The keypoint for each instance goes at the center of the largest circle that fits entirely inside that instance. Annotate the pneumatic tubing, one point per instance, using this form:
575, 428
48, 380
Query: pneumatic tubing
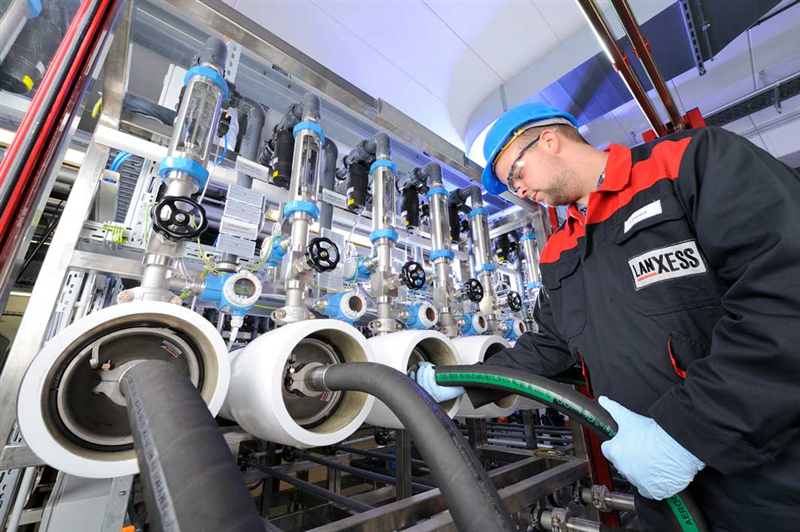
567, 401
466, 489
190, 479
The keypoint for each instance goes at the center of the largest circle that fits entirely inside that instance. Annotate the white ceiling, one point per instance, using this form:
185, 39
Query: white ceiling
443, 62
434, 60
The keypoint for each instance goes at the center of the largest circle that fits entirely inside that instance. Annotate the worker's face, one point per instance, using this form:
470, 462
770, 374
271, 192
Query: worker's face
540, 172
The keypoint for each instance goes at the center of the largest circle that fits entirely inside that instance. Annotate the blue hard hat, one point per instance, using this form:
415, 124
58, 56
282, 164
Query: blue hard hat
501, 133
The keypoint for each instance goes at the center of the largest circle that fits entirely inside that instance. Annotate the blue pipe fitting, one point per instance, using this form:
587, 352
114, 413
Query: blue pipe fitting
474, 324
527, 236
485, 268
421, 316
277, 252
311, 126
212, 291
307, 207
533, 286
34, 8
383, 162
434, 191
476, 212
437, 253
339, 307
181, 164
210, 73
377, 234
360, 272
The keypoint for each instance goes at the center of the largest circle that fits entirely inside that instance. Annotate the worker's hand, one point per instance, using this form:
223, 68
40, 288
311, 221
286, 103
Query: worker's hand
647, 456
426, 377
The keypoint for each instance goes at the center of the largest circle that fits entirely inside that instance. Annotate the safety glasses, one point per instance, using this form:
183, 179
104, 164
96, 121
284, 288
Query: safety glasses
512, 179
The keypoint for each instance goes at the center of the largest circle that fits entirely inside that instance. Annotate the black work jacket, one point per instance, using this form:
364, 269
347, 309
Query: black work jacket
680, 290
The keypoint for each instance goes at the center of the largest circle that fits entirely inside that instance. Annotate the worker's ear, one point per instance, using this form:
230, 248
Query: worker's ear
550, 141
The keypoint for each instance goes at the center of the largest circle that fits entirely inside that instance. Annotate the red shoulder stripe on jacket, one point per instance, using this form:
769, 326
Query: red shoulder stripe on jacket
561, 241
664, 163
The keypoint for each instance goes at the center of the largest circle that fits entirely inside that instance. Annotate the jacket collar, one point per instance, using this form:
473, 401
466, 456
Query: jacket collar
618, 169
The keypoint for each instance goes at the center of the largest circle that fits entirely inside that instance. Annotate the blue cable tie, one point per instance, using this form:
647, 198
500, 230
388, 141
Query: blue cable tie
383, 162
312, 126
211, 74
528, 236
531, 286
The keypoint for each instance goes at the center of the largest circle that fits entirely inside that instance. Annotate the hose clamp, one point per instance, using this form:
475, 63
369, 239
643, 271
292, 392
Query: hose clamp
383, 162
210, 74
189, 167
485, 268
307, 207
311, 126
476, 212
434, 191
438, 253
377, 234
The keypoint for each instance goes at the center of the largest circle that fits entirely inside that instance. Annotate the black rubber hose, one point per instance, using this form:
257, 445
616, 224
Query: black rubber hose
467, 491
684, 513
191, 481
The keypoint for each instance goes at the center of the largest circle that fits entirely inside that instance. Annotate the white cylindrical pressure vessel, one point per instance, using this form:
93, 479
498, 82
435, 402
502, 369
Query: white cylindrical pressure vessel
403, 351
474, 349
265, 404
70, 411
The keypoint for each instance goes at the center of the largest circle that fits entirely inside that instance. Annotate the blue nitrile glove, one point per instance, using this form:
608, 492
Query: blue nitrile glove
426, 377
647, 456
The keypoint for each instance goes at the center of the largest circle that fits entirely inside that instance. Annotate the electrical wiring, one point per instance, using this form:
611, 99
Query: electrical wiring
224, 151
345, 289
205, 259
266, 254
266, 307
97, 107
119, 159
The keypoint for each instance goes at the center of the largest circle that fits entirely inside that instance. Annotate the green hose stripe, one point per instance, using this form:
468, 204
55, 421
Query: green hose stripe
682, 514
529, 388
505, 382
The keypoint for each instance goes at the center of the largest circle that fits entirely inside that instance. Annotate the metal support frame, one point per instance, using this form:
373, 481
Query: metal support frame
621, 63
642, 49
33, 329
78, 503
403, 454
521, 484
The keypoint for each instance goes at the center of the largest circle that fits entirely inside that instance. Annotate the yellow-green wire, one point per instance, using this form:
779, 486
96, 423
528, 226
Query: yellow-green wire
96, 108
345, 289
205, 259
266, 307
266, 255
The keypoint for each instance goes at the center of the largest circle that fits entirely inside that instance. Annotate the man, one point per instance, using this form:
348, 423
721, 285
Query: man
675, 281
